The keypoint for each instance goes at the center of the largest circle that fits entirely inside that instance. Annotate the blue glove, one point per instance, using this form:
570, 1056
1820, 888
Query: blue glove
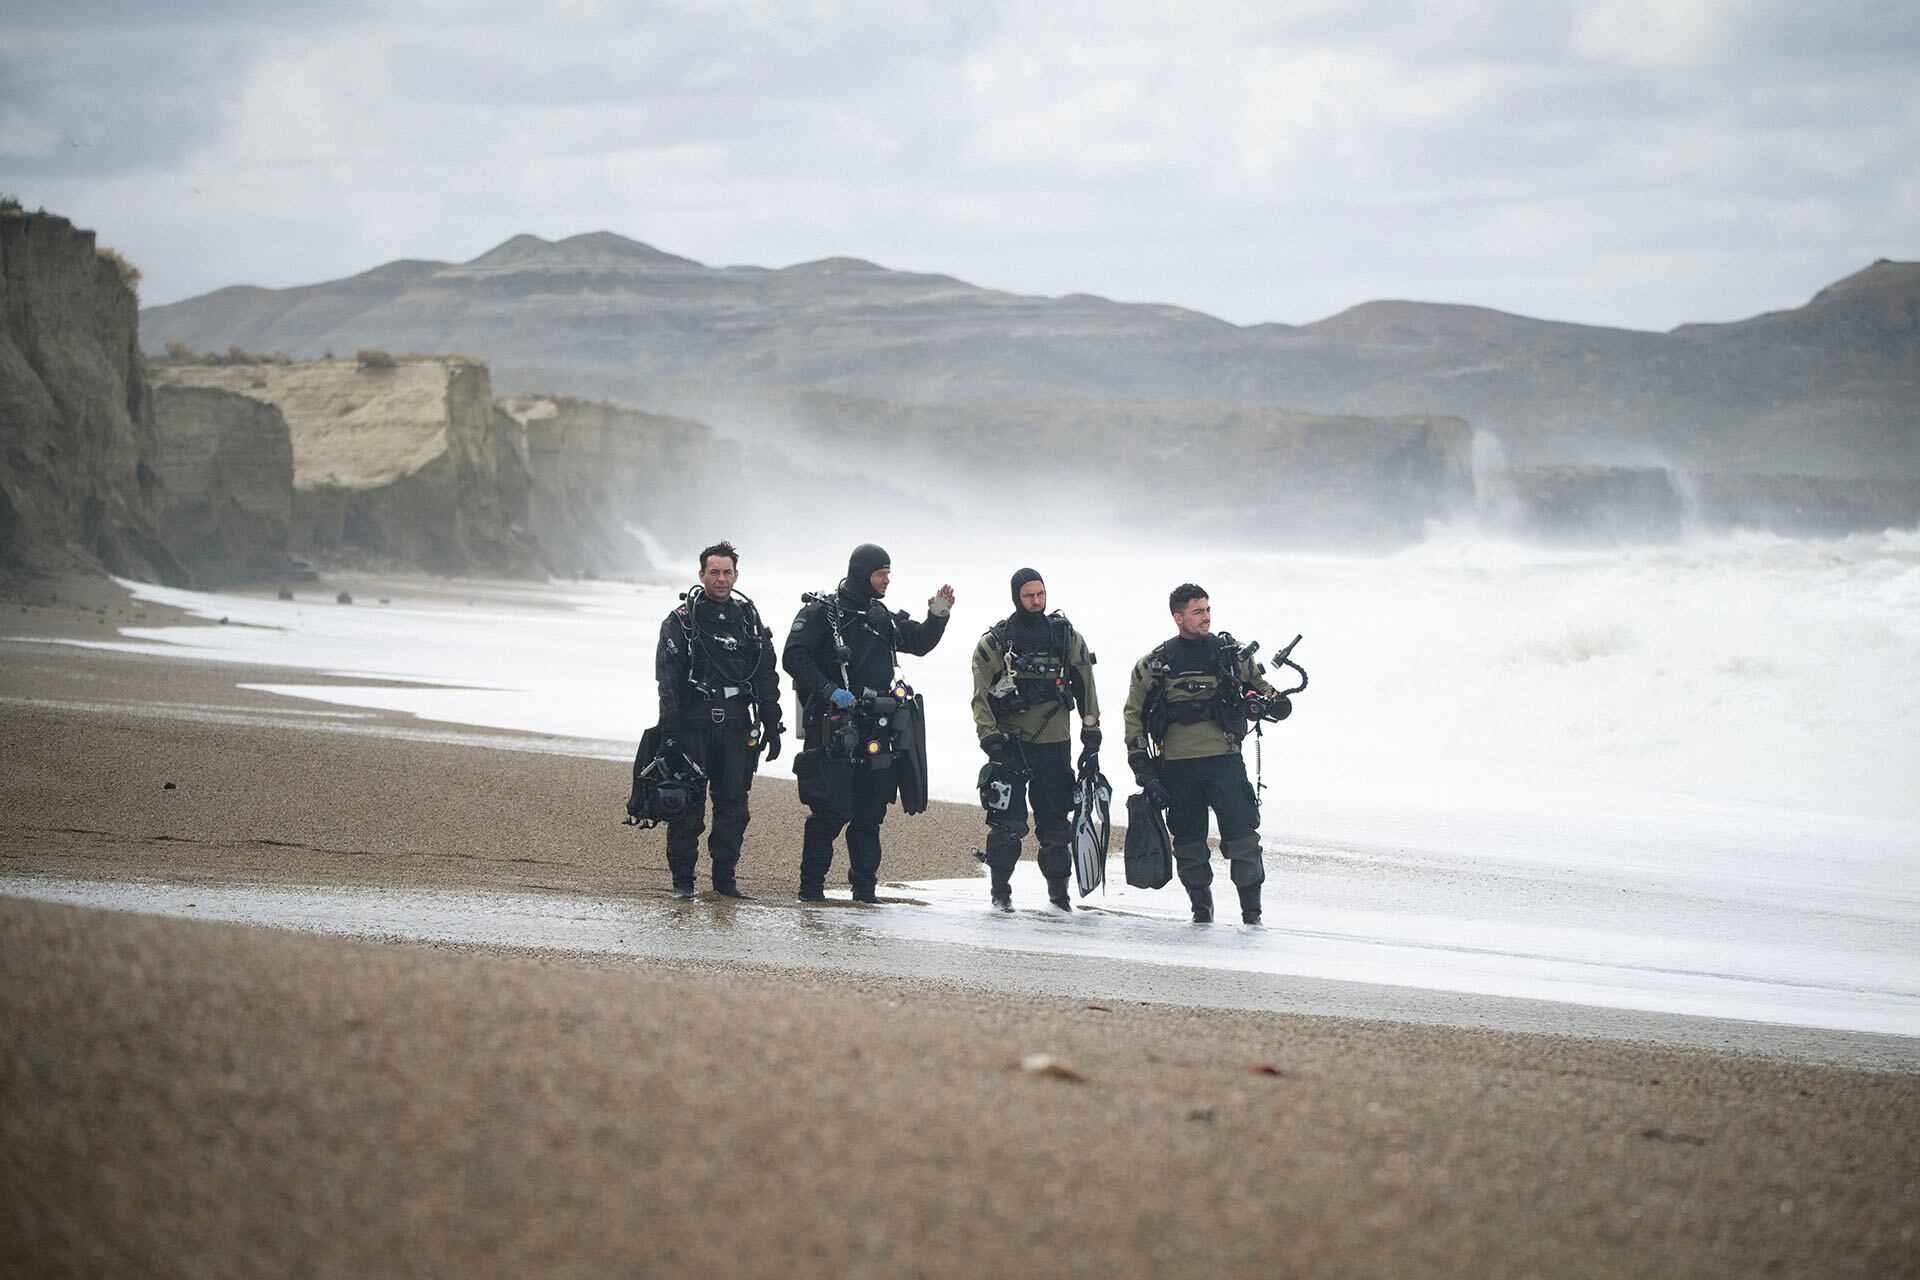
841, 699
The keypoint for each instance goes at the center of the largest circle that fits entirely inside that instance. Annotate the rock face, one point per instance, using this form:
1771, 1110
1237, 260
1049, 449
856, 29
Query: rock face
227, 463
1325, 479
1611, 505
1812, 506
1598, 505
602, 473
1322, 479
401, 461
79, 484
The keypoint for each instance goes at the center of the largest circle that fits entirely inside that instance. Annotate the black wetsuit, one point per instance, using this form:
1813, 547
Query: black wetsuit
843, 791
718, 684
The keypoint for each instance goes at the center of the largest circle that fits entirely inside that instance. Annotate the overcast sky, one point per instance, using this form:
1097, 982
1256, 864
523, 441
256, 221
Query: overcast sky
1629, 162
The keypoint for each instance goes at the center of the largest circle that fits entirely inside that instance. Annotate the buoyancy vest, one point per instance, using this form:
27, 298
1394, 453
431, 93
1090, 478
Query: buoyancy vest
1195, 683
1035, 676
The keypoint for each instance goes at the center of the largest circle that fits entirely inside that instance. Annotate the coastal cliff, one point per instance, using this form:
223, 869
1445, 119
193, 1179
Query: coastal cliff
602, 473
1322, 479
1601, 506
79, 481
394, 460
227, 463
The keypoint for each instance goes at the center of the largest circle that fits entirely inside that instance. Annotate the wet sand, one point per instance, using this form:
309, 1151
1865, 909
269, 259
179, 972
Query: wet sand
185, 1097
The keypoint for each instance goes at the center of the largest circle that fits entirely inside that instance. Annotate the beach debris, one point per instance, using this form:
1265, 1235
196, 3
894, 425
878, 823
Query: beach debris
386, 599
1099, 1008
168, 786
224, 620
1657, 1134
286, 593
1049, 1067
343, 598
1202, 1114
1262, 1069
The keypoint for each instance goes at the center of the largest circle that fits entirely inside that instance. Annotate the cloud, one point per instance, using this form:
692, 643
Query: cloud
1619, 161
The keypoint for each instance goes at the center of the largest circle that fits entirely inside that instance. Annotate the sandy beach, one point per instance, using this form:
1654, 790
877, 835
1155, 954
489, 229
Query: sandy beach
183, 1097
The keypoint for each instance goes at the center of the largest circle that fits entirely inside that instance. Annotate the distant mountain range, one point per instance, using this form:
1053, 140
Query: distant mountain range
1828, 388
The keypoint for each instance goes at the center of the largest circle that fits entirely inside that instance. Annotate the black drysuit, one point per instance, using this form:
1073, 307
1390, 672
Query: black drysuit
715, 667
845, 792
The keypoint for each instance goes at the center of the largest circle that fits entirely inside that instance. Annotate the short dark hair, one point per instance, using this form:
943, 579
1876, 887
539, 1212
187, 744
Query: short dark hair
1183, 595
726, 549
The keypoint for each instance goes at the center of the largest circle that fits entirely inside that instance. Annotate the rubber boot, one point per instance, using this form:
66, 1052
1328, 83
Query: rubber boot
811, 893
732, 889
1249, 904
683, 890
866, 893
1202, 896
1057, 895
1002, 893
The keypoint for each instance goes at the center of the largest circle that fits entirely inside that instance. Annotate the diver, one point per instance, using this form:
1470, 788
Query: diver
719, 709
1188, 709
855, 710
1031, 670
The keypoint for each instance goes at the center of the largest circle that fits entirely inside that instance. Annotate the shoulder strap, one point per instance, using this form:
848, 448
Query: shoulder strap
762, 635
688, 602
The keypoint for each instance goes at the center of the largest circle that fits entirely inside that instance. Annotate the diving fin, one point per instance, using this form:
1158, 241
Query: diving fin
1149, 847
910, 753
1092, 828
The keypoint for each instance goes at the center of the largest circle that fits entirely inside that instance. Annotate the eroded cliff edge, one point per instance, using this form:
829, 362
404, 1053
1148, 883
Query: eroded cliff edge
402, 461
411, 461
227, 464
605, 475
80, 486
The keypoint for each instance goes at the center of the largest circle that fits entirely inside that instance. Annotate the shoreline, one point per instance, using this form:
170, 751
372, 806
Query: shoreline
193, 1096
201, 699
657, 932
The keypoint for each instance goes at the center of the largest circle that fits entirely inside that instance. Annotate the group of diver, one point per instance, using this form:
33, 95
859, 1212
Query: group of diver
1190, 704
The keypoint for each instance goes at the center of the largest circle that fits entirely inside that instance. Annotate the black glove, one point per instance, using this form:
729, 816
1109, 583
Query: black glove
1006, 758
1089, 746
772, 740
1148, 779
1142, 765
